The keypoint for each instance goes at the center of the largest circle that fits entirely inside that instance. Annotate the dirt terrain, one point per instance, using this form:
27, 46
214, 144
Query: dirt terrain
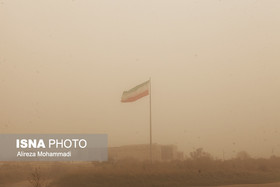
27, 184
253, 185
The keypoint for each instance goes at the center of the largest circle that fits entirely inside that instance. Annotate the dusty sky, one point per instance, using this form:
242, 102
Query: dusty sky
215, 69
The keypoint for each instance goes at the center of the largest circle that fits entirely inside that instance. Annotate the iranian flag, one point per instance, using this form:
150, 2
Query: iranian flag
136, 93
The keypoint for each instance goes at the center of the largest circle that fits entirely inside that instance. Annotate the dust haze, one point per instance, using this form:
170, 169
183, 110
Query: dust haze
214, 67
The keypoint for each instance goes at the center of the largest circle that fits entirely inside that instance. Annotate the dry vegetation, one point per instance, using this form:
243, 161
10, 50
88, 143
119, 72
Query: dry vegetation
199, 170
175, 173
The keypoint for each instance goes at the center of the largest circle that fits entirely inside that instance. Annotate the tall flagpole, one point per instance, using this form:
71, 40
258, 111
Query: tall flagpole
151, 158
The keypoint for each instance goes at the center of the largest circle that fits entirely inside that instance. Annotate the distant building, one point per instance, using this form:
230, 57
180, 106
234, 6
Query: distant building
141, 152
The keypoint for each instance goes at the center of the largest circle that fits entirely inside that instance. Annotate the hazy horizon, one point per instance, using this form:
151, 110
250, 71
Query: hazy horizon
214, 67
